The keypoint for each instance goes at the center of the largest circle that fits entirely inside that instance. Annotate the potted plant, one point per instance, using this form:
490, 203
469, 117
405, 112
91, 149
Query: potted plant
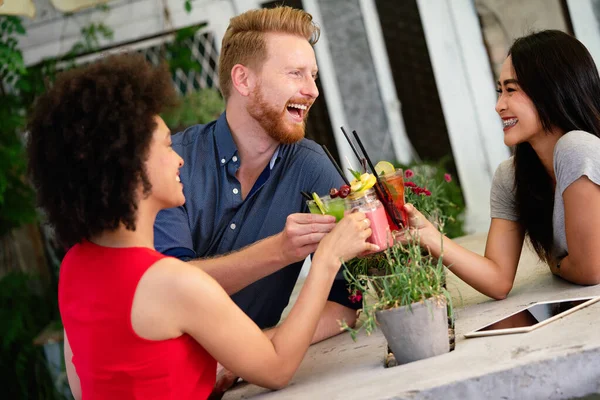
403, 290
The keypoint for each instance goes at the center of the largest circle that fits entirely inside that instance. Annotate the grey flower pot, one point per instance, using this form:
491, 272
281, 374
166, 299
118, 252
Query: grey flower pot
416, 333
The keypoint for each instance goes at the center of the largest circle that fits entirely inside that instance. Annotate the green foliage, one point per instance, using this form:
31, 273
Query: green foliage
16, 196
199, 107
11, 59
26, 307
19, 86
178, 53
441, 200
196, 107
403, 275
188, 6
91, 37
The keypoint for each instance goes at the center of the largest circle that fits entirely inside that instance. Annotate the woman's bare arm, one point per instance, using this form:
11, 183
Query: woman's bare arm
492, 274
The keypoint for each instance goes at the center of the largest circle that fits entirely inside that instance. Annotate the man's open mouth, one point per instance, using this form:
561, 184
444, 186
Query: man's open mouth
298, 111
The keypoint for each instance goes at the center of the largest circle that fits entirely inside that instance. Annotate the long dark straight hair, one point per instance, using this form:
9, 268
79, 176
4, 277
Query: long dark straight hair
558, 74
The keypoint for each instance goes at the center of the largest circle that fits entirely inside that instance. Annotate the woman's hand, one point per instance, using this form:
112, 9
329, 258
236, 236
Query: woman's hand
348, 239
418, 225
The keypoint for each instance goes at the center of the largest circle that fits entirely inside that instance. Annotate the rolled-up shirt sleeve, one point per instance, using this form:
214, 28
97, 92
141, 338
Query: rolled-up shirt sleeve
172, 234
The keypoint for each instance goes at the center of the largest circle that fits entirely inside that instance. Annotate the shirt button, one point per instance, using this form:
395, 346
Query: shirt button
232, 226
222, 161
235, 191
234, 158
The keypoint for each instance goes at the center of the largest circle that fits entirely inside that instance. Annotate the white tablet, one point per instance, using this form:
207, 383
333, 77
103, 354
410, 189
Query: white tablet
532, 317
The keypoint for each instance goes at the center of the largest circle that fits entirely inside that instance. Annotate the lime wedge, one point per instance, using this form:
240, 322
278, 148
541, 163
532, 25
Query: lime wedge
319, 203
384, 168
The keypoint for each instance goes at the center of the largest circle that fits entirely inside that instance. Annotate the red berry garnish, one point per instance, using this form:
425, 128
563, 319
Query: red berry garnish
333, 193
344, 191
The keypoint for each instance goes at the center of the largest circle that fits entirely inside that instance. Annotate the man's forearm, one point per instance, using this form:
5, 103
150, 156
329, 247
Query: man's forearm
328, 325
236, 270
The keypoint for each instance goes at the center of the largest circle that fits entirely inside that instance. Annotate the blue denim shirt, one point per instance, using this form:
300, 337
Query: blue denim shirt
215, 220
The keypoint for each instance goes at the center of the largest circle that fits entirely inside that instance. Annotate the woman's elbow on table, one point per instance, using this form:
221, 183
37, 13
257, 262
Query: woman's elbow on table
588, 268
593, 278
501, 290
277, 380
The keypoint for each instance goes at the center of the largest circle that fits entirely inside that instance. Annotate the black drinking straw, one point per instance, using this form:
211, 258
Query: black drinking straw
362, 148
350, 143
383, 193
305, 195
335, 164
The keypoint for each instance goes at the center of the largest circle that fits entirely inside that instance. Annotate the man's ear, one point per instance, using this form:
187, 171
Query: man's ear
242, 79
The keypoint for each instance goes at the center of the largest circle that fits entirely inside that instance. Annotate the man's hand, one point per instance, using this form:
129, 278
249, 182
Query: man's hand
302, 234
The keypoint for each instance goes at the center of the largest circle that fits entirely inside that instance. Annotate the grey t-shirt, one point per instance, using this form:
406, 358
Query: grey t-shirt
576, 154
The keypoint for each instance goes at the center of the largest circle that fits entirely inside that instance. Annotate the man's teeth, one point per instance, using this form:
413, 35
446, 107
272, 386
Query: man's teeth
178, 178
298, 106
509, 122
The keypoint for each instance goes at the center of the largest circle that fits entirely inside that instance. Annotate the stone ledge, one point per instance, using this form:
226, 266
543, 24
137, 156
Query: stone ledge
558, 361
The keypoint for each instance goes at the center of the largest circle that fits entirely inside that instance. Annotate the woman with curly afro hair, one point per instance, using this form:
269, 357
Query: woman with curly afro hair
140, 325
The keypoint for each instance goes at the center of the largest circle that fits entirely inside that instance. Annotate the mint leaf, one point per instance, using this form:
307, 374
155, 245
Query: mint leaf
355, 174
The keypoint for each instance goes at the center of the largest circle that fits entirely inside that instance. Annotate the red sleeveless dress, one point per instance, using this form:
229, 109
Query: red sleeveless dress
95, 293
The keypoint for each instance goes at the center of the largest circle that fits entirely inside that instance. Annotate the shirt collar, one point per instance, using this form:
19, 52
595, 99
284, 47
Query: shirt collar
226, 147
274, 158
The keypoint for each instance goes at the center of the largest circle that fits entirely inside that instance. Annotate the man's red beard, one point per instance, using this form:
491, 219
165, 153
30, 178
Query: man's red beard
274, 121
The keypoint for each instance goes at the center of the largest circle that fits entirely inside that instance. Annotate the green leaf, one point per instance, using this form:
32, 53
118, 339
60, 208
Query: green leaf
354, 173
188, 6
20, 29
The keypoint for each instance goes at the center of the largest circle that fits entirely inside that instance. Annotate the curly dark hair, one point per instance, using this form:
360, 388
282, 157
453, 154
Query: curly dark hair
89, 137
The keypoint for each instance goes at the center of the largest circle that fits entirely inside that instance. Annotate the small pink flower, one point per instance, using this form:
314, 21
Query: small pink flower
448, 178
410, 184
355, 298
408, 173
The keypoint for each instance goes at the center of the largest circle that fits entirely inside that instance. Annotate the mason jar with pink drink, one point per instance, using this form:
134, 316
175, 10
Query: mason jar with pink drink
366, 202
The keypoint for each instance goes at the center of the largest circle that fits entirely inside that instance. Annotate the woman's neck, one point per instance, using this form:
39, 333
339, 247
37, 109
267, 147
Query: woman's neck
142, 236
543, 145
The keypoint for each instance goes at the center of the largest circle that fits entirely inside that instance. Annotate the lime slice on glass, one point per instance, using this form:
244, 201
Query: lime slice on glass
319, 203
384, 168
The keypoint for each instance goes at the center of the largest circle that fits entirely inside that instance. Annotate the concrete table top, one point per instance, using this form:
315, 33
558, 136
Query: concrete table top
558, 361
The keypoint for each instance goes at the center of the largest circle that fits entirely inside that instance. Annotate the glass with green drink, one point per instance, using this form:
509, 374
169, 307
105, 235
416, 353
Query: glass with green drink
327, 205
